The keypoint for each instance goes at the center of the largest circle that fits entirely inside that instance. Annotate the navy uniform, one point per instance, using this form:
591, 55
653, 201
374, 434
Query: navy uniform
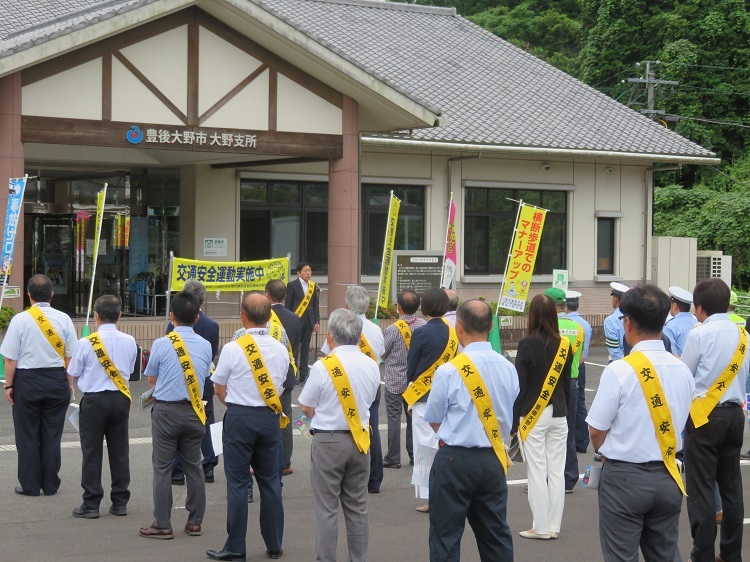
467, 479
104, 414
614, 333
41, 395
572, 299
679, 325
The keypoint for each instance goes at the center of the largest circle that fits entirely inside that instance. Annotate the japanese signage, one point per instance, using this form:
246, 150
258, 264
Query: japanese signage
390, 241
560, 279
450, 259
101, 197
522, 256
228, 276
215, 247
418, 270
16, 187
198, 137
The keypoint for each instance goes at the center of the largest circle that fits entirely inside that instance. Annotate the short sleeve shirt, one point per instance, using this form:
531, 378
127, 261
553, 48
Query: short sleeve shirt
86, 367
25, 343
165, 365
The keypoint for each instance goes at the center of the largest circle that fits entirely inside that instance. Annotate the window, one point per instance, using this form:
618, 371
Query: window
410, 228
489, 218
281, 217
605, 245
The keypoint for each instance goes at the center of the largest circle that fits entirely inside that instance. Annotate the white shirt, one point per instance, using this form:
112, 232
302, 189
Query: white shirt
450, 316
25, 343
304, 285
373, 335
707, 352
86, 367
319, 392
620, 405
234, 371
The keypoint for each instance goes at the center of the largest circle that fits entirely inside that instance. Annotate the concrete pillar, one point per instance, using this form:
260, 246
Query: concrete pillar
11, 166
343, 211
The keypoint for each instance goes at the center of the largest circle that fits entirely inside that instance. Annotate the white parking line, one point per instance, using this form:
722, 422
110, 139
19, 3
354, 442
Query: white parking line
594, 364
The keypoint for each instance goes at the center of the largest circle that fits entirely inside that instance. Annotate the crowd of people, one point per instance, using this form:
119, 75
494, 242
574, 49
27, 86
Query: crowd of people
658, 411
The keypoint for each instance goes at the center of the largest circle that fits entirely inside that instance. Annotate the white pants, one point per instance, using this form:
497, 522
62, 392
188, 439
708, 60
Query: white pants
544, 451
422, 434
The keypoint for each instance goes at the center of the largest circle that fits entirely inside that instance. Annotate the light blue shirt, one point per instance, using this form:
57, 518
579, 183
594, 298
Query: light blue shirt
165, 365
586, 331
709, 349
677, 330
614, 331
450, 405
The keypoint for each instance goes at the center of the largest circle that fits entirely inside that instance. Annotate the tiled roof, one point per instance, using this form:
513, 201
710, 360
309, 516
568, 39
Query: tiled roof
489, 91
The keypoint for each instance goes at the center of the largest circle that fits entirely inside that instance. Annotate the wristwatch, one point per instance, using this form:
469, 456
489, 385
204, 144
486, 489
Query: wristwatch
8, 386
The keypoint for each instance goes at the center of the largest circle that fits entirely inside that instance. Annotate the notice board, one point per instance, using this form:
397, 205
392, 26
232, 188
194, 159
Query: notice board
418, 270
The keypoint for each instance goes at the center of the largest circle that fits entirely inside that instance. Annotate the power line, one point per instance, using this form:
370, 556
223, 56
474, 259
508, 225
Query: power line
712, 121
705, 66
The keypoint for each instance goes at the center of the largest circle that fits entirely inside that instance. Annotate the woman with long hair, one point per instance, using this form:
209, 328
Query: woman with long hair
543, 364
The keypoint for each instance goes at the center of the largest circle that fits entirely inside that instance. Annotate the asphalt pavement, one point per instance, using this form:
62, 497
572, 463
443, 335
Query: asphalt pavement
43, 528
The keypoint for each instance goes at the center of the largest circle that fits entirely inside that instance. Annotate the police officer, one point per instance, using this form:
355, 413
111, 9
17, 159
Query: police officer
102, 364
681, 321
613, 330
733, 316
37, 348
468, 476
636, 421
572, 302
248, 379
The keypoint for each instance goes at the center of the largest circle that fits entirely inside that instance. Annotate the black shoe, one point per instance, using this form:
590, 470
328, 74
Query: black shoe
373, 491
745, 455
209, 476
391, 465
82, 513
224, 555
275, 555
249, 496
119, 510
178, 481
581, 450
411, 462
21, 491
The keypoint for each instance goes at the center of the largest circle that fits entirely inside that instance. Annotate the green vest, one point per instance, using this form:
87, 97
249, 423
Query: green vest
571, 329
737, 319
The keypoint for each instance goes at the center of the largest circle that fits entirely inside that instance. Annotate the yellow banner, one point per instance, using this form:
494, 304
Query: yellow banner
390, 242
522, 256
100, 197
229, 276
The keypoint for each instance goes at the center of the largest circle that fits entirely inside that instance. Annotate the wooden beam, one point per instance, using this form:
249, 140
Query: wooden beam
274, 162
192, 73
107, 87
273, 99
232, 93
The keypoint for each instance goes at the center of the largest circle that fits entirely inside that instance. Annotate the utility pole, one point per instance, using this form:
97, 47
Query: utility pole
651, 82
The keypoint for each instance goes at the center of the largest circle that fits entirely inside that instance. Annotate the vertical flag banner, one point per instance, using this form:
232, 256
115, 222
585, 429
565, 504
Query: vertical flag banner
390, 241
100, 198
521, 258
16, 187
450, 258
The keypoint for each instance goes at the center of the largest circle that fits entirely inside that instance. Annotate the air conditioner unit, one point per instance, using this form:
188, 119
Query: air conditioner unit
713, 264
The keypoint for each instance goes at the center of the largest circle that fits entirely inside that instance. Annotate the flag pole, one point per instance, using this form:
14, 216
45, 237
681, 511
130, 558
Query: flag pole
445, 249
385, 249
169, 288
97, 238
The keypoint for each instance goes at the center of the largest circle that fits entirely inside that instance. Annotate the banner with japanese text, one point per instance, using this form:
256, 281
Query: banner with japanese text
522, 256
229, 276
16, 187
450, 258
101, 197
386, 267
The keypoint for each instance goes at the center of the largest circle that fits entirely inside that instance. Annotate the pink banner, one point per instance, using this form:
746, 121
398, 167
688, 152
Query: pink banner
450, 258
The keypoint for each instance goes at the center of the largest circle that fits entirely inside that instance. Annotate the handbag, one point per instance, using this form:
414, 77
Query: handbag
515, 451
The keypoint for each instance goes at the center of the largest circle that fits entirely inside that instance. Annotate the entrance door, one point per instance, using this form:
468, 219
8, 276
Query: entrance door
53, 256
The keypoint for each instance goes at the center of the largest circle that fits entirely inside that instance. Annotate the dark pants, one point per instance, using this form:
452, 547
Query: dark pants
251, 438
287, 433
582, 428
376, 448
41, 398
468, 483
571, 456
394, 403
281, 462
712, 454
210, 460
639, 506
104, 415
305, 335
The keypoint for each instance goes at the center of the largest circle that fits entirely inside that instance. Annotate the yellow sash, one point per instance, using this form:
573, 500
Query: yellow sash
365, 347
483, 403
109, 366
423, 382
405, 330
48, 330
276, 327
302, 308
262, 378
701, 408
554, 375
360, 433
191, 379
661, 416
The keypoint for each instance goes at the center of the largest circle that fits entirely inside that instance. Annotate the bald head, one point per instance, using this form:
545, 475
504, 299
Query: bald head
452, 300
256, 310
475, 318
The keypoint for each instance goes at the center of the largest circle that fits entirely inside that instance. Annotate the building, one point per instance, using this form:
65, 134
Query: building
282, 126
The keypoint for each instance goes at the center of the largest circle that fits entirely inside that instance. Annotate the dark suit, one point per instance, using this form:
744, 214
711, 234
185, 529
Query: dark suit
294, 296
291, 323
209, 331
427, 345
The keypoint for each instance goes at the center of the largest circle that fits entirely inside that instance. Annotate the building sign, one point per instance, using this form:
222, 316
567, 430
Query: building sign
560, 279
418, 270
192, 136
214, 247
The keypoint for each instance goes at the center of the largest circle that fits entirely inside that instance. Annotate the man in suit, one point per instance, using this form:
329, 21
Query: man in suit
209, 331
303, 298
276, 293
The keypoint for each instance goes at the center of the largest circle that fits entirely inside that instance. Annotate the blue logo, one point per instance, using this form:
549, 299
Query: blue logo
134, 135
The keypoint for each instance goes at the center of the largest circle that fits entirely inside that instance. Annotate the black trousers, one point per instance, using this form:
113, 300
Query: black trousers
582, 428
287, 433
468, 483
571, 455
376, 447
712, 455
104, 415
210, 460
41, 398
305, 335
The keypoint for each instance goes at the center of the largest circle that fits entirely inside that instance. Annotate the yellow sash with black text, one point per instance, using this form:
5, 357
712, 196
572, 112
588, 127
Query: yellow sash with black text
276, 328
483, 403
661, 416
48, 330
550, 382
423, 382
360, 433
262, 377
365, 347
405, 330
108, 365
195, 393
302, 307
701, 408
